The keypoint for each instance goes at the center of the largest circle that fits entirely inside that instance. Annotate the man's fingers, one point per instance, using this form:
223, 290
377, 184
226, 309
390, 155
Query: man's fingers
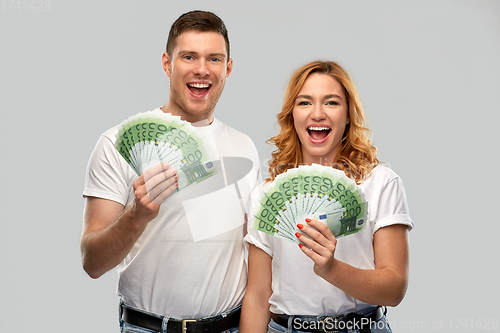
162, 196
167, 175
161, 186
152, 172
157, 175
156, 184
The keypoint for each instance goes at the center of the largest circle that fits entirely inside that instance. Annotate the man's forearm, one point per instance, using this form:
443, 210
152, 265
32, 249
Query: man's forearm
103, 249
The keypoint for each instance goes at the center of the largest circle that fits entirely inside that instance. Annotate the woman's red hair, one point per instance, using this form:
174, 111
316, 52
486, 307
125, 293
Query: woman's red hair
357, 157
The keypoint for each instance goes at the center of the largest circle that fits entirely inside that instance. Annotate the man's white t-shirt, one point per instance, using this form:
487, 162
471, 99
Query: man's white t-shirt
296, 289
189, 261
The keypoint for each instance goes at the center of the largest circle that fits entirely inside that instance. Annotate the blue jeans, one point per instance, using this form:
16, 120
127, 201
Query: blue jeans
381, 326
129, 328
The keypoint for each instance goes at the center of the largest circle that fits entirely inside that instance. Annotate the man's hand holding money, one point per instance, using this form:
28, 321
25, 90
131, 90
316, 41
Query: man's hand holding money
152, 188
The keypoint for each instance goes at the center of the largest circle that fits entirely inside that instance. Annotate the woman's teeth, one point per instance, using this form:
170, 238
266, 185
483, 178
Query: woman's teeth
318, 132
318, 128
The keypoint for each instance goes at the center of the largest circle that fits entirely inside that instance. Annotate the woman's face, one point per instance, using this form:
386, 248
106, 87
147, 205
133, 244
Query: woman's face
320, 117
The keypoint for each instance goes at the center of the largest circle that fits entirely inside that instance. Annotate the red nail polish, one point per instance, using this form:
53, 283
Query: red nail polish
298, 234
308, 220
300, 245
300, 226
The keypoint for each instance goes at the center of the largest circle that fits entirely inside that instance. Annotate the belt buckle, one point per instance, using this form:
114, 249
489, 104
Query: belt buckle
184, 322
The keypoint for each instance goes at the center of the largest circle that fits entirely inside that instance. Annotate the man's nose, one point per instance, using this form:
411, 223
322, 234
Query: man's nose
201, 68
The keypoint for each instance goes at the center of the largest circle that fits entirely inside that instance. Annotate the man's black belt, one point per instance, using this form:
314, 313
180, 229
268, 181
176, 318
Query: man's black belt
210, 325
331, 324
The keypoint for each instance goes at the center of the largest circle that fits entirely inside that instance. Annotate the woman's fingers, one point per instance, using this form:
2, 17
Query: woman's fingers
321, 227
320, 240
320, 247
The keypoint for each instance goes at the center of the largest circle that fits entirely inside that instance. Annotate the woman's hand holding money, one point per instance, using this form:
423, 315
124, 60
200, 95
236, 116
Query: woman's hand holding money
384, 285
320, 247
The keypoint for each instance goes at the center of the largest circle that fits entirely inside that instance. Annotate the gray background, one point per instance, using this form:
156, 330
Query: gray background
427, 73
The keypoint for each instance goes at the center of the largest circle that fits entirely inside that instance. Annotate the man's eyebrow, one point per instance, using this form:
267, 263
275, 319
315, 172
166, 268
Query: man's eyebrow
187, 52
220, 55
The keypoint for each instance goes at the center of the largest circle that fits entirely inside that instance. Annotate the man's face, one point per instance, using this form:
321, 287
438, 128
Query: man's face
197, 70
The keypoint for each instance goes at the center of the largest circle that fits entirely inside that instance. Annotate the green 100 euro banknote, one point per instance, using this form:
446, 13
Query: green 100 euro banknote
316, 191
149, 138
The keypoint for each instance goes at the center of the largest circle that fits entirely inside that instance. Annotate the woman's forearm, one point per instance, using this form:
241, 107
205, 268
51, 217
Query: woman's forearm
255, 313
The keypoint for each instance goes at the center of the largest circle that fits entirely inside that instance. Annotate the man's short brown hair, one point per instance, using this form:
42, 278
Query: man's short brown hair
196, 20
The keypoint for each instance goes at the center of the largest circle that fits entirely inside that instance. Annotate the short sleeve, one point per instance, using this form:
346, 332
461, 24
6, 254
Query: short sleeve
255, 237
392, 206
108, 175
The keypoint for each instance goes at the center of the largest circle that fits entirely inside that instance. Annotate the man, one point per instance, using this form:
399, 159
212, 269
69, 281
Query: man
181, 260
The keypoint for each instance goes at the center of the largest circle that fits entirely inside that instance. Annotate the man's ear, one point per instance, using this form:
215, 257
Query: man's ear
166, 64
229, 68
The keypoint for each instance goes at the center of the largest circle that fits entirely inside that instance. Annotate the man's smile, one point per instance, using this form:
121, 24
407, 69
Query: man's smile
199, 90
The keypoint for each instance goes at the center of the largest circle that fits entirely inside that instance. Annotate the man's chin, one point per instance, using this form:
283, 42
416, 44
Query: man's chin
198, 114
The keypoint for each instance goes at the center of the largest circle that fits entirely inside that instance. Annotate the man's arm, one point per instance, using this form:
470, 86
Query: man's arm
110, 231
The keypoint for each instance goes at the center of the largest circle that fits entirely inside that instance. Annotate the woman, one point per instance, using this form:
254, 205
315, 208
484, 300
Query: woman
306, 287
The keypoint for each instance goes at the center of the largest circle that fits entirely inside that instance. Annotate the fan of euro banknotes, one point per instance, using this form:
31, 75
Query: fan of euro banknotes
152, 137
320, 192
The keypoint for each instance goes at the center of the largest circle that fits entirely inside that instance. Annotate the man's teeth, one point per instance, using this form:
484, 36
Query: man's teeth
199, 85
318, 128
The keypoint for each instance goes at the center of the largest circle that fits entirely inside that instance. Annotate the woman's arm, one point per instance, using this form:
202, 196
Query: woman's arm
384, 285
255, 313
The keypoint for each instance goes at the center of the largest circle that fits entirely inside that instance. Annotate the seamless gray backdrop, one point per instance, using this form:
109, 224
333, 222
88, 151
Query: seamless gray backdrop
427, 73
